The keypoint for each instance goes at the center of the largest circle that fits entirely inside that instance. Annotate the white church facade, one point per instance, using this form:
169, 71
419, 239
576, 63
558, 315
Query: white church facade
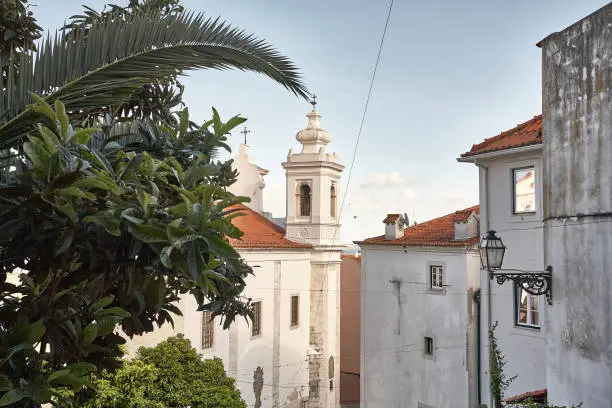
289, 355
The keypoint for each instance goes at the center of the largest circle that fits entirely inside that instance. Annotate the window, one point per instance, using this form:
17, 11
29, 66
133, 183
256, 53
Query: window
524, 190
295, 310
429, 346
527, 312
256, 328
436, 275
330, 367
332, 201
304, 200
208, 330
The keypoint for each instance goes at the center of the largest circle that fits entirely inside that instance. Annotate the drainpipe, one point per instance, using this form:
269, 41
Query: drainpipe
476, 298
484, 225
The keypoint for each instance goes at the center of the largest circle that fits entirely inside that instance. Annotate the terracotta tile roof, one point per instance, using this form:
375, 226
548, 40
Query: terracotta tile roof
539, 395
259, 232
391, 218
525, 134
437, 232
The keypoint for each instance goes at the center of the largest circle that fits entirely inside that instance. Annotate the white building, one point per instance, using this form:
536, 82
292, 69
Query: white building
287, 356
510, 166
417, 287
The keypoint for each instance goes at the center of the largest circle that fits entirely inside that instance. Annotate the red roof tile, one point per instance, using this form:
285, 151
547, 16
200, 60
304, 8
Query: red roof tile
525, 134
437, 232
260, 232
391, 218
536, 395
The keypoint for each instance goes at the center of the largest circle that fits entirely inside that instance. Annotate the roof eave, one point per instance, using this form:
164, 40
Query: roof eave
498, 153
450, 244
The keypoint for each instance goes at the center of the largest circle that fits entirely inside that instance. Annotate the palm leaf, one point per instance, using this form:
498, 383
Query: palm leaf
103, 67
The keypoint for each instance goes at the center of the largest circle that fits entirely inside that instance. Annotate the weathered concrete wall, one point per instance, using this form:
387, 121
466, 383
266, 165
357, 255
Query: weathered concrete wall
577, 134
397, 311
350, 281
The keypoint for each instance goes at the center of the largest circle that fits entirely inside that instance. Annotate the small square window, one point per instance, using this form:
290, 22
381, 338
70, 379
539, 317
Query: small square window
429, 346
523, 190
295, 311
527, 311
436, 277
256, 327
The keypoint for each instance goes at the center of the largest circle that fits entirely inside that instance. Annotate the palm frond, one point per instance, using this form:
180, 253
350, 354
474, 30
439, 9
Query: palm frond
104, 66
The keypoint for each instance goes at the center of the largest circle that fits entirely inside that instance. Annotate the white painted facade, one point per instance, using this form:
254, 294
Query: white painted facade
250, 182
399, 309
523, 346
294, 358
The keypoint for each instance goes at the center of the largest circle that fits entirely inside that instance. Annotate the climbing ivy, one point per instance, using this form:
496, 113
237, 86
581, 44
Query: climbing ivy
500, 382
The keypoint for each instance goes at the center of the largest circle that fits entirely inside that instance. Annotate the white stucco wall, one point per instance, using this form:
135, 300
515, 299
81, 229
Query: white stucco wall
292, 383
524, 348
250, 182
394, 320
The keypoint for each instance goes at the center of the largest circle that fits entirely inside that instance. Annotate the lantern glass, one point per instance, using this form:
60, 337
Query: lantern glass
492, 251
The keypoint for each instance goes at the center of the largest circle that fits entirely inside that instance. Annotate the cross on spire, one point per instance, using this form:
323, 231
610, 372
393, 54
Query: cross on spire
313, 101
245, 132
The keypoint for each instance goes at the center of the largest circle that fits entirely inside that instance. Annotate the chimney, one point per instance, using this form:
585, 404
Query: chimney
466, 225
394, 229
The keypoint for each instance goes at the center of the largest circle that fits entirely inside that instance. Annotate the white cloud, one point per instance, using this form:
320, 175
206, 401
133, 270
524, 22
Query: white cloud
386, 180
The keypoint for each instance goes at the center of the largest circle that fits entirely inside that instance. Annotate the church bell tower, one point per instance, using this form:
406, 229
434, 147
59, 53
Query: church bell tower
313, 187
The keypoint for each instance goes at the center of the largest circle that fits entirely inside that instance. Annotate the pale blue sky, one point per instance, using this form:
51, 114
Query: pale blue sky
451, 74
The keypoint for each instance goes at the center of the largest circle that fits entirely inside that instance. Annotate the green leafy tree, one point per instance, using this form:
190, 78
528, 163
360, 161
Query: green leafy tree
18, 33
107, 237
111, 216
158, 99
131, 52
170, 374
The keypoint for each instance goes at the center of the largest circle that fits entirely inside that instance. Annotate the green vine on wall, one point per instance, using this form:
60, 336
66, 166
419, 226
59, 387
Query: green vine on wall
500, 382
497, 361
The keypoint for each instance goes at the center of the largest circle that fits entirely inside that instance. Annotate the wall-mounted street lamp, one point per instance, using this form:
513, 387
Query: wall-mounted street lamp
492, 251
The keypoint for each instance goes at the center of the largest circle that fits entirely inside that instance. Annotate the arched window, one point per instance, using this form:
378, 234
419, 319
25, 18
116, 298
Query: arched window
331, 367
332, 201
304, 196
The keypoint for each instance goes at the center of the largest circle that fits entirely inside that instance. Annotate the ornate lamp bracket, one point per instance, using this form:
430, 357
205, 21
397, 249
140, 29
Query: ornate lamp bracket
535, 283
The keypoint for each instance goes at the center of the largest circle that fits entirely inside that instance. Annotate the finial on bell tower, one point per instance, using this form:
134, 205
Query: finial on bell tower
313, 101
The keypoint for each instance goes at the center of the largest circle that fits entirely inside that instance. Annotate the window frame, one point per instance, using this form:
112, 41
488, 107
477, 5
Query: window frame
445, 284
429, 341
209, 326
440, 268
292, 324
513, 171
517, 308
300, 185
260, 320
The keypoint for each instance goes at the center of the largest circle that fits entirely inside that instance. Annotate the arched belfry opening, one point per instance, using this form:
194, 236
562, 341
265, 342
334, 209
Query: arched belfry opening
305, 200
332, 201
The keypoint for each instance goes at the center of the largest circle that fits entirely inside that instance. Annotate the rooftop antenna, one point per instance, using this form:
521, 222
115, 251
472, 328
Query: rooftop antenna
404, 221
